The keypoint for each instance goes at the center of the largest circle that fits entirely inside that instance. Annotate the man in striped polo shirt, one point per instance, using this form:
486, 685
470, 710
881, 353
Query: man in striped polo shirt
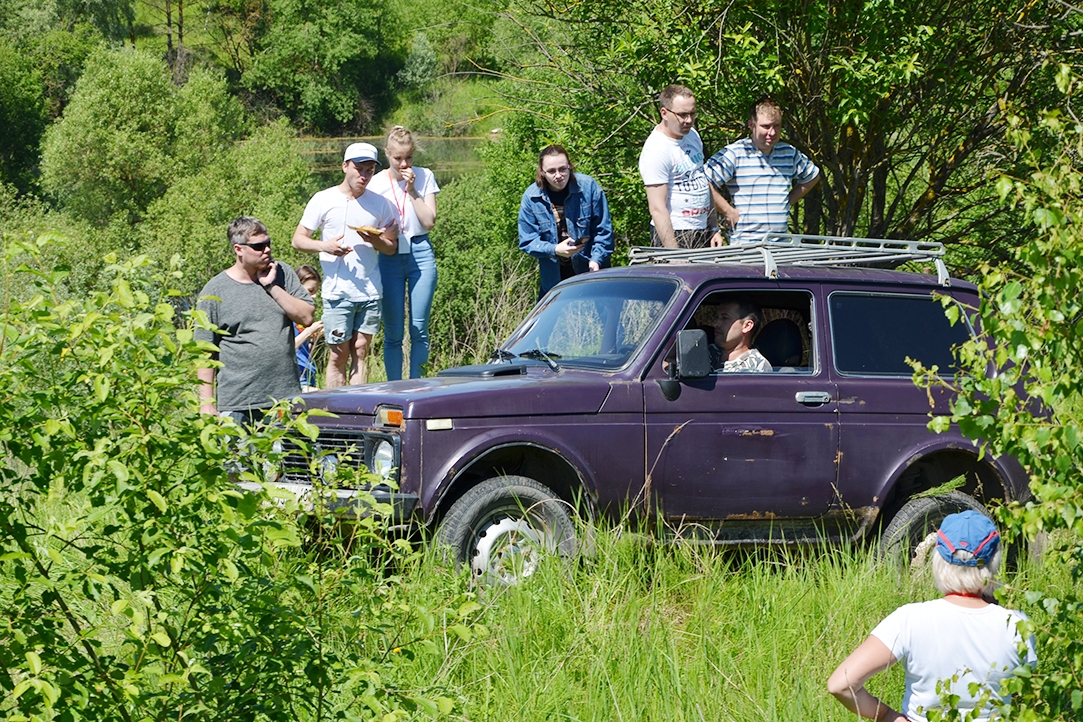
764, 176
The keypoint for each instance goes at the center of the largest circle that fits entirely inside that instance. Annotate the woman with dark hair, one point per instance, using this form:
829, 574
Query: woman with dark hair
564, 220
962, 640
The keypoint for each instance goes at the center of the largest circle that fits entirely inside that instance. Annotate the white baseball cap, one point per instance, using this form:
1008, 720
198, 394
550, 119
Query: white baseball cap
361, 152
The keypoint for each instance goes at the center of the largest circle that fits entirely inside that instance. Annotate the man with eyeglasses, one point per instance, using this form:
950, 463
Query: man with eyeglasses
671, 163
764, 176
251, 304
351, 287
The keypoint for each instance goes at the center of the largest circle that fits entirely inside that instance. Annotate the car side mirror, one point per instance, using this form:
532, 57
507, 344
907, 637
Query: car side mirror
693, 356
690, 359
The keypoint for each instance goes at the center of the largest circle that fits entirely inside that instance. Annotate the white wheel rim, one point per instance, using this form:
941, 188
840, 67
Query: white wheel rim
507, 552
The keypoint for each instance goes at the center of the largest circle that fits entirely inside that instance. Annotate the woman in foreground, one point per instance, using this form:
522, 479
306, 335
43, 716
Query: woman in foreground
960, 634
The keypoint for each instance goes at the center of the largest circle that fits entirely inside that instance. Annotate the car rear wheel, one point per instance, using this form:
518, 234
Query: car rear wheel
911, 535
505, 526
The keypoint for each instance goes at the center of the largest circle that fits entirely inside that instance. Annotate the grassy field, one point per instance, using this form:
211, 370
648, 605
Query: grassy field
652, 632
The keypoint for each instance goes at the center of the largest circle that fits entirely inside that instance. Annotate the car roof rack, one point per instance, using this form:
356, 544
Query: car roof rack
772, 250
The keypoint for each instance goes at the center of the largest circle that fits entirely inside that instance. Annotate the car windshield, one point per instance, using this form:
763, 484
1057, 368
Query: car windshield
600, 323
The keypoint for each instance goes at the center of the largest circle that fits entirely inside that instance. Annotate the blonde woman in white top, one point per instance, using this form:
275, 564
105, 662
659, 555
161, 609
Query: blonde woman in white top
412, 191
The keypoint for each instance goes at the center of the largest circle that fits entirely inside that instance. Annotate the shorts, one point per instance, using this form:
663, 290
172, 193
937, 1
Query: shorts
343, 318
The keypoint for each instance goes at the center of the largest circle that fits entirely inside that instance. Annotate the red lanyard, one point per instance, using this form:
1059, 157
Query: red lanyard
405, 196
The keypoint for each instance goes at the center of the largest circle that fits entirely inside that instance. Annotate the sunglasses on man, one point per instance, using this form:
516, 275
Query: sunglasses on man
258, 247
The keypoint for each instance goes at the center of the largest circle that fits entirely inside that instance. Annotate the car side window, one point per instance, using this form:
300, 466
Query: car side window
783, 336
874, 334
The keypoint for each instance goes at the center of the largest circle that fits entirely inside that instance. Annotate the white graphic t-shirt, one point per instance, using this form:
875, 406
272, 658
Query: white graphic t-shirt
678, 164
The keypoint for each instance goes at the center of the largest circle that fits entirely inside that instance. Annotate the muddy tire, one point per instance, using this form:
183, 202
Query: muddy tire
911, 535
504, 527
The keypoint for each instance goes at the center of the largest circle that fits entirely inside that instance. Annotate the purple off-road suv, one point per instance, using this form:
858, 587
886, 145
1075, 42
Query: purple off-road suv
604, 402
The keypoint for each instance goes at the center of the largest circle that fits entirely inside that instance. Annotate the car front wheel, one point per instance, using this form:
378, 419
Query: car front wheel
503, 528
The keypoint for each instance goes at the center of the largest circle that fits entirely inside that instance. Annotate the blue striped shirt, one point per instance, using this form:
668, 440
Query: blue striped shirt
760, 185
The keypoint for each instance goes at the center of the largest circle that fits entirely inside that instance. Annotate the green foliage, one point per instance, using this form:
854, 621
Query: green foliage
136, 581
648, 631
318, 61
450, 107
896, 102
486, 284
130, 132
460, 31
22, 116
61, 55
26, 20
262, 176
1032, 338
421, 64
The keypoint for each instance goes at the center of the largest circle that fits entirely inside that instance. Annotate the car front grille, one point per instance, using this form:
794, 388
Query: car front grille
335, 449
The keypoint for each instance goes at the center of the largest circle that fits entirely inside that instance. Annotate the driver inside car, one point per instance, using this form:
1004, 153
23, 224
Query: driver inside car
736, 322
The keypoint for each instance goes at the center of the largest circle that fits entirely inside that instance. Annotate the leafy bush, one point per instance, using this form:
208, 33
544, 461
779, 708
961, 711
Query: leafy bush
421, 66
136, 581
129, 133
262, 176
1032, 339
22, 116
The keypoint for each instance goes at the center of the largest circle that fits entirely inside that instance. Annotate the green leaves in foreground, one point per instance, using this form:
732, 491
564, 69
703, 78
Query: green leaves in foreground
136, 580
1022, 392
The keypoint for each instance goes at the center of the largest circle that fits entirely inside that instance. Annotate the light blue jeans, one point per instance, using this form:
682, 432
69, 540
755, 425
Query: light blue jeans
417, 271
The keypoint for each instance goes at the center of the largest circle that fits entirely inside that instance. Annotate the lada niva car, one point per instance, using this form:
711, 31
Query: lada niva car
604, 402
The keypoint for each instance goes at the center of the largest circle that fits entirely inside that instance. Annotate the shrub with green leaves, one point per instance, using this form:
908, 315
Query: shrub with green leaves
137, 582
1022, 393
130, 132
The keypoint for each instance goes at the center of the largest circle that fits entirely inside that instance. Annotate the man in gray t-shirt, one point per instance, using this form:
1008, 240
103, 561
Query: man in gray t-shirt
253, 303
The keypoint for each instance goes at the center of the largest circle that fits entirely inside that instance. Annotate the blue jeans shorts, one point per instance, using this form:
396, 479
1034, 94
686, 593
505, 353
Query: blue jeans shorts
343, 318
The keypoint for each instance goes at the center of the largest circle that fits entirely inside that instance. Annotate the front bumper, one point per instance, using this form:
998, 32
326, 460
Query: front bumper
345, 503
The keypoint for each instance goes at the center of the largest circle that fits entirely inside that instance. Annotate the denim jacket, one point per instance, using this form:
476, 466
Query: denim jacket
586, 212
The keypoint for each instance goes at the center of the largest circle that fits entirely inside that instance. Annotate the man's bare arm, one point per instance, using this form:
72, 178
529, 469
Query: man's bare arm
297, 310
206, 391
387, 242
303, 241
731, 214
800, 190
657, 196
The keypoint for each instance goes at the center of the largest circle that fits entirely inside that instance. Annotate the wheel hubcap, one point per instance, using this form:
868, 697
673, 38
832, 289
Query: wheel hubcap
507, 551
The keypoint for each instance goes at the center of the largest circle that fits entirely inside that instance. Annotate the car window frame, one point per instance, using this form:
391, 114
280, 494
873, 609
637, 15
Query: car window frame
932, 295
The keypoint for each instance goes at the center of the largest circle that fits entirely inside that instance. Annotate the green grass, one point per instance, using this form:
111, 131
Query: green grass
451, 107
656, 632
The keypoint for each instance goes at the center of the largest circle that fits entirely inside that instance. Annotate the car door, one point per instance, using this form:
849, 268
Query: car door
746, 445
884, 414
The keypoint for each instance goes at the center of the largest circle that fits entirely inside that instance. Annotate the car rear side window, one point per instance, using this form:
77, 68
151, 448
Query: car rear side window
875, 334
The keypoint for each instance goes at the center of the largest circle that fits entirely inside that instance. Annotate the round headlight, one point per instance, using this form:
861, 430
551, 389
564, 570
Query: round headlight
328, 467
383, 459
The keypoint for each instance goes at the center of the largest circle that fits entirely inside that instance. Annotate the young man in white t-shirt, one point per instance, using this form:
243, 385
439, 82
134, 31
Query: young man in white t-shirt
679, 196
351, 275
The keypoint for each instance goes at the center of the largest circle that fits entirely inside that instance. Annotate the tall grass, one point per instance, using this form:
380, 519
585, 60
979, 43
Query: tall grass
645, 631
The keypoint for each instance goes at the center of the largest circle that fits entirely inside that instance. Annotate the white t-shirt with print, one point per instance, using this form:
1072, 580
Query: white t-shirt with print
936, 640
355, 276
678, 164
424, 184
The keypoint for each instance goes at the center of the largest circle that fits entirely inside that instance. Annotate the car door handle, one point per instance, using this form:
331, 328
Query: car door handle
812, 398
